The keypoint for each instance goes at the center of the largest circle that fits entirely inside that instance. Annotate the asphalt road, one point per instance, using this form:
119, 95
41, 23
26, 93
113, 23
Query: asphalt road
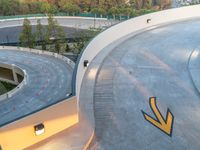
158, 63
71, 26
79, 23
6, 37
49, 81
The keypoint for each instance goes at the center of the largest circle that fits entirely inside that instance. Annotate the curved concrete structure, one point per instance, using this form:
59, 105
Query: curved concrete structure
74, 22
12, 74
148, 56
144, 57
48, 80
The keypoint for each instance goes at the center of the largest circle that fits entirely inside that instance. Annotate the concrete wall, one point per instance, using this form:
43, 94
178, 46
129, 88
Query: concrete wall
15, 71
20, 134
65, 59
66, 21
133, 26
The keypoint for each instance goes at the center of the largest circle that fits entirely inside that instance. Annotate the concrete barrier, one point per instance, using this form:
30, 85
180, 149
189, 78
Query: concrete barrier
36, 51
122, 31
78, 22
21, 133
106, 41
15, 70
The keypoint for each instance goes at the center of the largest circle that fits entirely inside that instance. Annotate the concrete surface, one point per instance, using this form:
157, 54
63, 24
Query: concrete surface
48, 81
74, 22
6, 37
153, 63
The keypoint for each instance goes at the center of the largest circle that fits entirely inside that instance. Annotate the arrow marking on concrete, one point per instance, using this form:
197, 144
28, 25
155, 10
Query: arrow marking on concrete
165, 125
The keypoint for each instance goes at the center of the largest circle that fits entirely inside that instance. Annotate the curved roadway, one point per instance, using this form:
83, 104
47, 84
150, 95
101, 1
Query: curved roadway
48, 81
155, 63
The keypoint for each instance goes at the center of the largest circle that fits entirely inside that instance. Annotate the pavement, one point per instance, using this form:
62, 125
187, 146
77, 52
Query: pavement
159, 63
162, 63
6, 37
74, 22
48, 81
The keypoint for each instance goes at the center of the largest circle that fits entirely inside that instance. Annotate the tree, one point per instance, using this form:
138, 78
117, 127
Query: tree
129, 12
95, 12
55, 34
101, 12
98, 11
48, 8
67, 48
26, 37
137, 4
9, 7
148, 4
39, 34
114, 11
71, 8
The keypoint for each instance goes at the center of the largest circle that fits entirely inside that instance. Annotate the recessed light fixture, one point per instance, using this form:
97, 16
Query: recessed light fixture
148, 20
39, 129
86, 63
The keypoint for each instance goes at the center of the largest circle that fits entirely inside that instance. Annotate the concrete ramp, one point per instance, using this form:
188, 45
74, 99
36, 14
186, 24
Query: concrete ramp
157, 63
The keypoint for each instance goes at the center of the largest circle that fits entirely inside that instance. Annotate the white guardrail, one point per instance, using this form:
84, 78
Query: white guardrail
35, 51
131, 27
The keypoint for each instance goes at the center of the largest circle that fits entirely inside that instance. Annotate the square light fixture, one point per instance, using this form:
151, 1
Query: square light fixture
86, 63
148, 20
39, 129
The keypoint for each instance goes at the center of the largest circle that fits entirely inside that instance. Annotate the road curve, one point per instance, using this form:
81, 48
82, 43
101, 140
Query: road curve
155, 63
48, 81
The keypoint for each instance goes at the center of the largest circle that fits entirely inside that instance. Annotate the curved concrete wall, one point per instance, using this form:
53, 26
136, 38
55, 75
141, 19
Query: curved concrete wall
15, 70
20, 134
120, 32
65, 59
66, 21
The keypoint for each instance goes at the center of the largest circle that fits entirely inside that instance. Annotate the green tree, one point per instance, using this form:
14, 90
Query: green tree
67, 48
101, 12
9, 7
129, 12
148, 4
48, 8
71, 8
98, 11
95, 11
26, 37
40, 34
114, 11
55, 34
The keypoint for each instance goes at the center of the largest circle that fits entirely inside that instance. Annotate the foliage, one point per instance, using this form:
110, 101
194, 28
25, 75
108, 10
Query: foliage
72, 7
39, 34
26, 37
54, 34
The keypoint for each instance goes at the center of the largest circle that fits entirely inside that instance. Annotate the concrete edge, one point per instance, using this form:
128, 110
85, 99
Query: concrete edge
18, 87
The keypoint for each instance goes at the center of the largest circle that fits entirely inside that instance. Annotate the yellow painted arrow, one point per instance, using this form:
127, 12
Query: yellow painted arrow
165, 125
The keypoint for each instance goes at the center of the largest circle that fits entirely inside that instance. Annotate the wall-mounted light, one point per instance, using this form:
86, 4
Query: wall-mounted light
148, 20
86, 63
39, 129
